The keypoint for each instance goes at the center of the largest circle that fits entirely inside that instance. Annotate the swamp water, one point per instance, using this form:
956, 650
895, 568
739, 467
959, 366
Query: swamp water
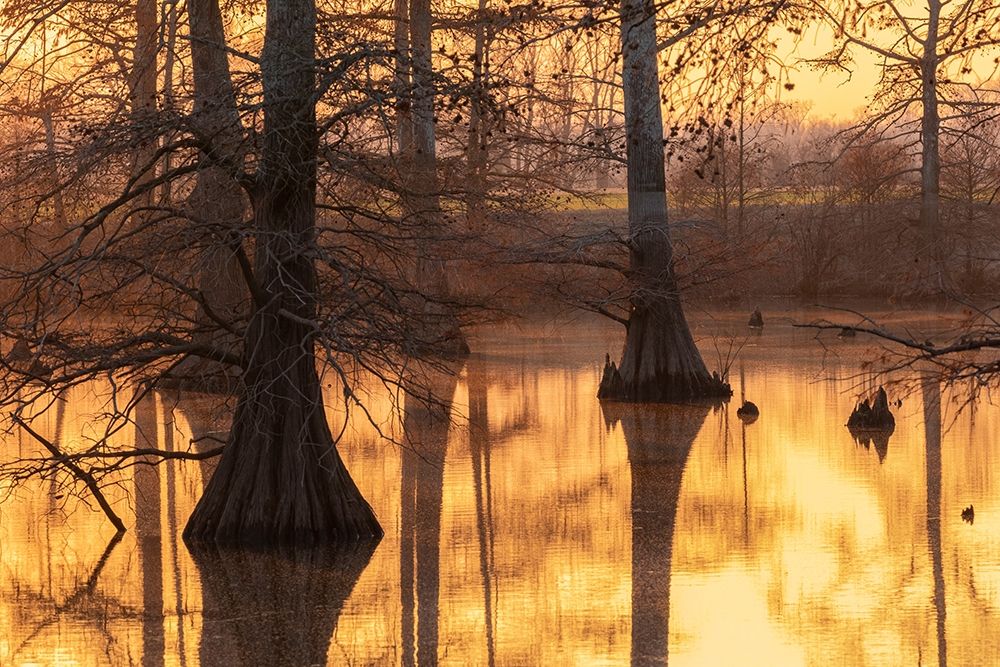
539, 529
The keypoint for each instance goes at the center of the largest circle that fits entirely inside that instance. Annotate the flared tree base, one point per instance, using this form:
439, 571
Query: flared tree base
661, 363
280, 480
666, 388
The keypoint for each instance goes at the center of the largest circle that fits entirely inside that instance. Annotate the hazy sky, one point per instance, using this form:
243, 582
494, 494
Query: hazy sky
830, 93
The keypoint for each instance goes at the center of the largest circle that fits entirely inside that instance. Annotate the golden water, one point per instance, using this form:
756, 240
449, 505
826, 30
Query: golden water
538, 529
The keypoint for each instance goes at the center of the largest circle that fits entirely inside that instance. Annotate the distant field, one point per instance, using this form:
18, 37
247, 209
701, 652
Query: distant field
618, 199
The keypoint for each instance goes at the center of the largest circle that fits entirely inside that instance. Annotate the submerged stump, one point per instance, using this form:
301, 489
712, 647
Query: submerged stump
872, 423
872, 416
748, 412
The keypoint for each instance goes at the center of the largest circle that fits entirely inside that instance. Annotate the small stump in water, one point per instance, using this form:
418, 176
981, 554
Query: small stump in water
872, 423
612, 384
748, 412
969, 514
873, 417
756, 319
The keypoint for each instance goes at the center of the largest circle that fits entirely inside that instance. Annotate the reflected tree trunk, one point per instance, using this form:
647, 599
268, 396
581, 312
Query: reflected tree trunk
280, 479
425, 426
661, 362
147, 534
479, 446
931, 393
274, 608
659, 439
173, 530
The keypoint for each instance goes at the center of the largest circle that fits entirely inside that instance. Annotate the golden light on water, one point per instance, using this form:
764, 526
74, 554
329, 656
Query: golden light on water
786, 543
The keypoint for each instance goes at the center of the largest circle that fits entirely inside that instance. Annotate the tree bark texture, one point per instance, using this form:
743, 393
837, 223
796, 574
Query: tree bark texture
280, 479
660, 362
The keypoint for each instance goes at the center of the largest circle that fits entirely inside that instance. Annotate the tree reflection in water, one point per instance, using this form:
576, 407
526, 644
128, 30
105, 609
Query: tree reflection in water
426, 423
931, 392
147, 533
274, 608
659, 439
479, 450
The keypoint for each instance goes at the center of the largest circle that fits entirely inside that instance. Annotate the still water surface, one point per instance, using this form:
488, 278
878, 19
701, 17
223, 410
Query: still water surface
536, 528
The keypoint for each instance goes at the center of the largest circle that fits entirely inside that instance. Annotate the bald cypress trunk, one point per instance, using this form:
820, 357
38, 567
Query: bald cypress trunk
217, 200
142, 94
440, 332
936, 277
660, 362
280, 479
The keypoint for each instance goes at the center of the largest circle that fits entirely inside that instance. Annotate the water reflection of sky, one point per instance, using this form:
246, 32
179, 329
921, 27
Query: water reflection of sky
537, 528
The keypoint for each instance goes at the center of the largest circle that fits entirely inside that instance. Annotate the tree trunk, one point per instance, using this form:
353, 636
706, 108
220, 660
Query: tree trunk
58, 203
930, 164
441, 333
401, 42
142, 92
169, 105
476, 155
216, 201
660, 362
280, 479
